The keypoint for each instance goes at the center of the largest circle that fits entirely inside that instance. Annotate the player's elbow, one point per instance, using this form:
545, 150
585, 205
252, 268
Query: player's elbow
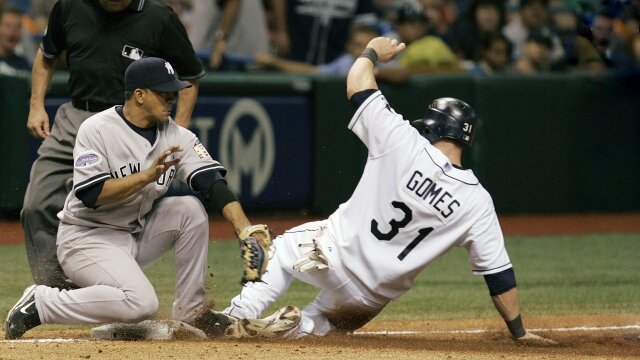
351, 89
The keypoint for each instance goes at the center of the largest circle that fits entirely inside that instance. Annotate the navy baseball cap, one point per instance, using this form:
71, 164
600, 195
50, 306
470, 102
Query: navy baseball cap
152, 73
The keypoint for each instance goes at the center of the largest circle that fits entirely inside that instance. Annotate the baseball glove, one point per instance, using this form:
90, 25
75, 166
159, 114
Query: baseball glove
254, 252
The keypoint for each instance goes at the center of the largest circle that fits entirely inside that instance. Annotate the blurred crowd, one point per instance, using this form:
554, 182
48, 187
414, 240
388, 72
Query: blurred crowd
325, 36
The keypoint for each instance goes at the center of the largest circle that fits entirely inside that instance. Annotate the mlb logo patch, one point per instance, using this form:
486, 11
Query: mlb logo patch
132, 53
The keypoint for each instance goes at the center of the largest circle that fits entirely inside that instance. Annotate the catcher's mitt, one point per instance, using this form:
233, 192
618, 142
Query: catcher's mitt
255, 253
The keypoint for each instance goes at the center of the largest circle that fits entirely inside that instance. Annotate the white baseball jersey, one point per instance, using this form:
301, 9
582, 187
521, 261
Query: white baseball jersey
107, 147
411, 206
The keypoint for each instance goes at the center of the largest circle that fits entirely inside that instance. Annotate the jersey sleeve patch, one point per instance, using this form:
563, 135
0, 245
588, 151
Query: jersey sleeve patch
87, 159
201, 151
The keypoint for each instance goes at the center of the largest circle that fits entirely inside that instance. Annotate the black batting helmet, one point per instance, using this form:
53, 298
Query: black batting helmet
448, 118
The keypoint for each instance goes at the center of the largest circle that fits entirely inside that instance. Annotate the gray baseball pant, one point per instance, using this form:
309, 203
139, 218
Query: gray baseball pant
107, 264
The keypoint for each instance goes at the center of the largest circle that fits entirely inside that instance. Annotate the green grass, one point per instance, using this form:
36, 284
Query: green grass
556, 275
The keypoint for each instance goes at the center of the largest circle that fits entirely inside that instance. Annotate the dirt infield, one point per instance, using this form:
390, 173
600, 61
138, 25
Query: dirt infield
484, 339
11, 231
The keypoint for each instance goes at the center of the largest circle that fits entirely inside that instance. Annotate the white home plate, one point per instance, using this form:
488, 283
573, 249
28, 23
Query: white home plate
148, 330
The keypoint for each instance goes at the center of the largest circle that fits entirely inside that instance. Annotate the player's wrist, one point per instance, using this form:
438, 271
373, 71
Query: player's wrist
371, 54
516, 328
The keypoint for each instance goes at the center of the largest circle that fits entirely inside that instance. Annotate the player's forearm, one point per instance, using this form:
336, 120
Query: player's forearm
361, 77
115, 190
186, 102
41, 74
234, 214
507, 304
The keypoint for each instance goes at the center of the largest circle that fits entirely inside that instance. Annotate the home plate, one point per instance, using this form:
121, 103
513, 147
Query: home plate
148, 330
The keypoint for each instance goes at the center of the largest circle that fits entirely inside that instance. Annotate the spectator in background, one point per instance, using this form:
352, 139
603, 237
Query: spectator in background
10, 26
494, 55
316, 31
484, 17
359, 37
425, 53
34, 23
533, 15
440, 14
536, 55
603, 36
635, 52
224, 31
576, 39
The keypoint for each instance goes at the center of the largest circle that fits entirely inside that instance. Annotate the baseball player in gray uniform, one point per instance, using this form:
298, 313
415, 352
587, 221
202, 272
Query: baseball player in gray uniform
413, 203
115, 220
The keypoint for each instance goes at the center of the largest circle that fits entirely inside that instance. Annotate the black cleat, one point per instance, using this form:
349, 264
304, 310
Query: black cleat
23, 316
213, 323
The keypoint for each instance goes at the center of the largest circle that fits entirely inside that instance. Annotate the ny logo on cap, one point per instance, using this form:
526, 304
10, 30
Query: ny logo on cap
169, 68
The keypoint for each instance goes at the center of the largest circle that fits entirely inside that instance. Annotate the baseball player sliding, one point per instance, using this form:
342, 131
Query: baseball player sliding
115, 221
413, 203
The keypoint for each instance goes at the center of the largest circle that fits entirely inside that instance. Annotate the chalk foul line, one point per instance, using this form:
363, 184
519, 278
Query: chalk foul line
387, 332
481, 331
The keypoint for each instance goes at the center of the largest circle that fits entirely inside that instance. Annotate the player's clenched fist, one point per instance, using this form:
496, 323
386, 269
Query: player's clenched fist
386, 48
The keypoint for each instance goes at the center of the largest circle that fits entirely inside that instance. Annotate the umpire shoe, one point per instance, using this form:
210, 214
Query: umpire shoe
213, 323
23, 316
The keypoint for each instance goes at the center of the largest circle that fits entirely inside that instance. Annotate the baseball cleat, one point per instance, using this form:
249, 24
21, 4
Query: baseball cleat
213, 323
23, 316
277, 324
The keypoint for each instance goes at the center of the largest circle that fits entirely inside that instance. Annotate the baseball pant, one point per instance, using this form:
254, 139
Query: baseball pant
343, 303
50, 182
107, 264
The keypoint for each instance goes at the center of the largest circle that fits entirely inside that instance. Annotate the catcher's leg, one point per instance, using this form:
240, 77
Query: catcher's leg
180, 223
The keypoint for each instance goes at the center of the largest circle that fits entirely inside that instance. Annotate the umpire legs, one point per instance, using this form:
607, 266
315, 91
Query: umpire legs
46, 194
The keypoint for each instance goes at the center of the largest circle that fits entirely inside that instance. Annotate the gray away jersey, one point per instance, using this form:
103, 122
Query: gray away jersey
106, 147
411, 206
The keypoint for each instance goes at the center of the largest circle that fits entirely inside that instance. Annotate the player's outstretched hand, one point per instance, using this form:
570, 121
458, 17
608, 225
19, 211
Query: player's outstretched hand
530, 339
161, 165
386, 48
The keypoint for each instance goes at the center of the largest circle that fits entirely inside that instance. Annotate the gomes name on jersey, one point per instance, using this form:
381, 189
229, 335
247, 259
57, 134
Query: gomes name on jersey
436, 196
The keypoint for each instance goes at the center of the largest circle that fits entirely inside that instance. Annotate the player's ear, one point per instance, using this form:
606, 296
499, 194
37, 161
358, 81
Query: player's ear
138, 96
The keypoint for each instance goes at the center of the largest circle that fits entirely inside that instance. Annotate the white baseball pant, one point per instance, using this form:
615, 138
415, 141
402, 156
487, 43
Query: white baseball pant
342, 304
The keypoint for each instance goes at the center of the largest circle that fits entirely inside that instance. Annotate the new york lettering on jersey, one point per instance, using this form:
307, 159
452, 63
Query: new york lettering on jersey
134, 167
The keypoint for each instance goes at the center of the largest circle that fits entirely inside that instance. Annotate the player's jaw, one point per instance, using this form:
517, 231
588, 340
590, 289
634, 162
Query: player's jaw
164, 106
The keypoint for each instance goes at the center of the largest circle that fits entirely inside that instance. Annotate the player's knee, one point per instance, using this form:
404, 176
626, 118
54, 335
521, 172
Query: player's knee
191, 209
149, 307
29, 209
140, 307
